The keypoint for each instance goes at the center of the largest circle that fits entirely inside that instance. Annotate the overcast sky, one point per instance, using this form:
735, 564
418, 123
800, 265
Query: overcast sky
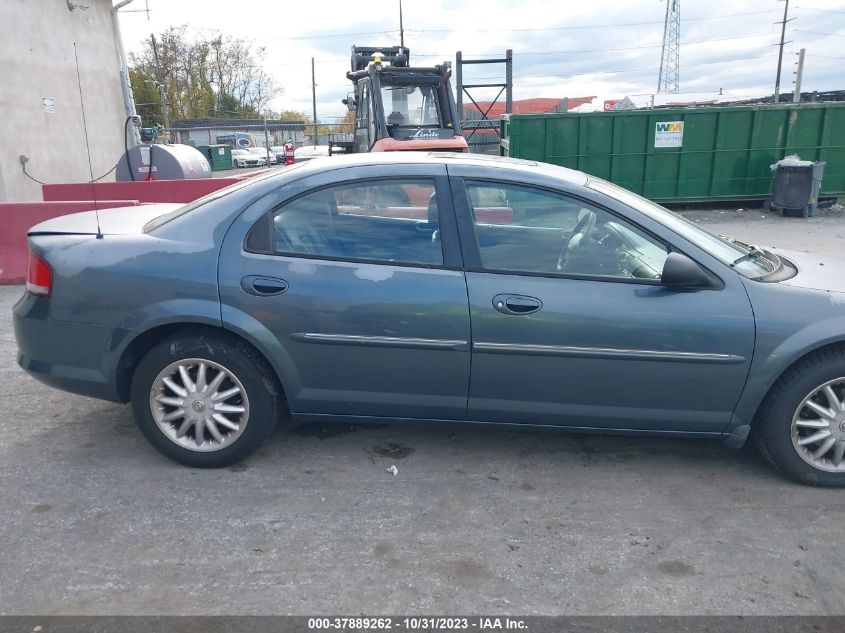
562, 48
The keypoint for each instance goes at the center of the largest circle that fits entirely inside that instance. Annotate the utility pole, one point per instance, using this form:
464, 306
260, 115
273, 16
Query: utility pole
164, 110
267, 140
125, 84
799, 73
165, 114
782, 42
401, 29
314, 99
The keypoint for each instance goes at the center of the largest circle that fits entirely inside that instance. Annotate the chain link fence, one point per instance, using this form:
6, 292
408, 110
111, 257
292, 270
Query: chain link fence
482, 136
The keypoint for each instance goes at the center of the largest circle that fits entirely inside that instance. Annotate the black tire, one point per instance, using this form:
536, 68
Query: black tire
263, 393
772, 428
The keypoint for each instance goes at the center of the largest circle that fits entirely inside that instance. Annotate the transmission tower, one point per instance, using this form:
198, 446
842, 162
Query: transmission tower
670, 64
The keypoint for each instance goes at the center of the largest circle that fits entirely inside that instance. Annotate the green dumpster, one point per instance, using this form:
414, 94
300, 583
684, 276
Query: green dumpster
686, 154
219, 156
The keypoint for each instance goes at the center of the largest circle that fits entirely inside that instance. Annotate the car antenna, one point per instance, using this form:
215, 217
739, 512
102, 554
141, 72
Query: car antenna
87, 145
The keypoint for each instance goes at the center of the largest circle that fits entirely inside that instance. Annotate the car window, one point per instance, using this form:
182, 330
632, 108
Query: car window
390, 221
363, 108
163, 219
523, 229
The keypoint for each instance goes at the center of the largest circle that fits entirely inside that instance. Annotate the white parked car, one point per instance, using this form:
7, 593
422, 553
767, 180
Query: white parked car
246, 158
263, 153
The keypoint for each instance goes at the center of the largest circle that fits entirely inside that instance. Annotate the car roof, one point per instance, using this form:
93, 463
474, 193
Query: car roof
448, 158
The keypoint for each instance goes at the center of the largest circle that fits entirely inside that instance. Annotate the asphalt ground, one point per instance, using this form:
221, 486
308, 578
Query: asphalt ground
477, 521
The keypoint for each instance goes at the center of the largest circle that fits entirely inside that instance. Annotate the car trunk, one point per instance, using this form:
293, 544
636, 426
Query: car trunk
118, 221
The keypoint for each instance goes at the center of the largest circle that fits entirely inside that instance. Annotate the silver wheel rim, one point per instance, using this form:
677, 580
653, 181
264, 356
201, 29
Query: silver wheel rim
199, 405
818, 427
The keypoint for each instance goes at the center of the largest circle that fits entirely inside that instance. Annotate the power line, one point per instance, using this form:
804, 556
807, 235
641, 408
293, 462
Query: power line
386, 32
319, 61
594, 26
819, 33
631, 70
718, 61
542, 53
820, 10
389, 32
617, 48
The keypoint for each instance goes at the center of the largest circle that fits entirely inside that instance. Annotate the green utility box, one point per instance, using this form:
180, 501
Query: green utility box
219, 156
686, 154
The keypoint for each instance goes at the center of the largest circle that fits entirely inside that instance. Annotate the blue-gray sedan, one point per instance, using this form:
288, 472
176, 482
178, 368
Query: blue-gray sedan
447, 287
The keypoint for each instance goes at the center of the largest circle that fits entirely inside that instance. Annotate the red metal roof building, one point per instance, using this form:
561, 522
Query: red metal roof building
483, 135
538, 105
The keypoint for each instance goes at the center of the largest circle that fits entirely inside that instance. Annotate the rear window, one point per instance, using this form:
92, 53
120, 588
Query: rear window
382, 221
163, 219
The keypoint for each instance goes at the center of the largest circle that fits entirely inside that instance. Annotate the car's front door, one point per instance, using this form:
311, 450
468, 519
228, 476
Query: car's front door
572, 326
354, 283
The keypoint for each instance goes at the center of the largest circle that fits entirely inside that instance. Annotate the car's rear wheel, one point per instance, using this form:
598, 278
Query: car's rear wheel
800, 428
205, 401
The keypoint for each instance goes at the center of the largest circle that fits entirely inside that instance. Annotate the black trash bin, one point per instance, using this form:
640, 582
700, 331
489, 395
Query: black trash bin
796, 186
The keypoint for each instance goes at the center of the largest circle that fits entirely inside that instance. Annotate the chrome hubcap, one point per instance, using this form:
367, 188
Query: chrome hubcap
818, 427
199, 404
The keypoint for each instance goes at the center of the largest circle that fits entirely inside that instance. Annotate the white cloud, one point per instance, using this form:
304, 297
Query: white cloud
557, 50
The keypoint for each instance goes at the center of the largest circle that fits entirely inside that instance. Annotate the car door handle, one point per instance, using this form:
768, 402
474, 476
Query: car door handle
263, 286
516, 304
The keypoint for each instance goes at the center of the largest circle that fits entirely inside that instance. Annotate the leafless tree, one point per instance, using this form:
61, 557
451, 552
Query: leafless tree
208, 74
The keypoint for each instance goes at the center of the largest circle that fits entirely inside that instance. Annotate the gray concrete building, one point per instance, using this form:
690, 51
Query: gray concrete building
40, 107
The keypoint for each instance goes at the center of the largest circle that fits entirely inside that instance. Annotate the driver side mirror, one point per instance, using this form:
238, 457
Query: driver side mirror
680, 272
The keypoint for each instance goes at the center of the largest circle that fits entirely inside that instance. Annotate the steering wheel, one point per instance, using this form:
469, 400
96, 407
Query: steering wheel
579, 235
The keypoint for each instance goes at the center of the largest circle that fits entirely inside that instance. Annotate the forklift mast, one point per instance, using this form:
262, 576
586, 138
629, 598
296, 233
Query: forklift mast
400, 107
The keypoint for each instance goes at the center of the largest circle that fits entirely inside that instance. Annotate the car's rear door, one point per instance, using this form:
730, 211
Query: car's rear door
351, 282
589, 346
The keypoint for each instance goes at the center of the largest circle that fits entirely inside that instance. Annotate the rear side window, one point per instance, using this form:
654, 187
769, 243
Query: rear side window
383, 221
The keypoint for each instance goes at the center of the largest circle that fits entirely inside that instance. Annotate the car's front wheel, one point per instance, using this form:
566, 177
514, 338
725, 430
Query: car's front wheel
205, 401
800, 428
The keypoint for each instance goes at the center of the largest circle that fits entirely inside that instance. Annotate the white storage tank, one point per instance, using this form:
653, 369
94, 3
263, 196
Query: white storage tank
163, 162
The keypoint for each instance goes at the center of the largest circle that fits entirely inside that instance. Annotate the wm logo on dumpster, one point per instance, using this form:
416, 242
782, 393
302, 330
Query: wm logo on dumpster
670, 127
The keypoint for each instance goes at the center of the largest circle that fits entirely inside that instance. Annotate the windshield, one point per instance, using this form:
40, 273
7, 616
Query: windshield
743, 258
412, 106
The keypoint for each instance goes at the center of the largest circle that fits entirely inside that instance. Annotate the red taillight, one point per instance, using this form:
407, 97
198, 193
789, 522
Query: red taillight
39, 279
